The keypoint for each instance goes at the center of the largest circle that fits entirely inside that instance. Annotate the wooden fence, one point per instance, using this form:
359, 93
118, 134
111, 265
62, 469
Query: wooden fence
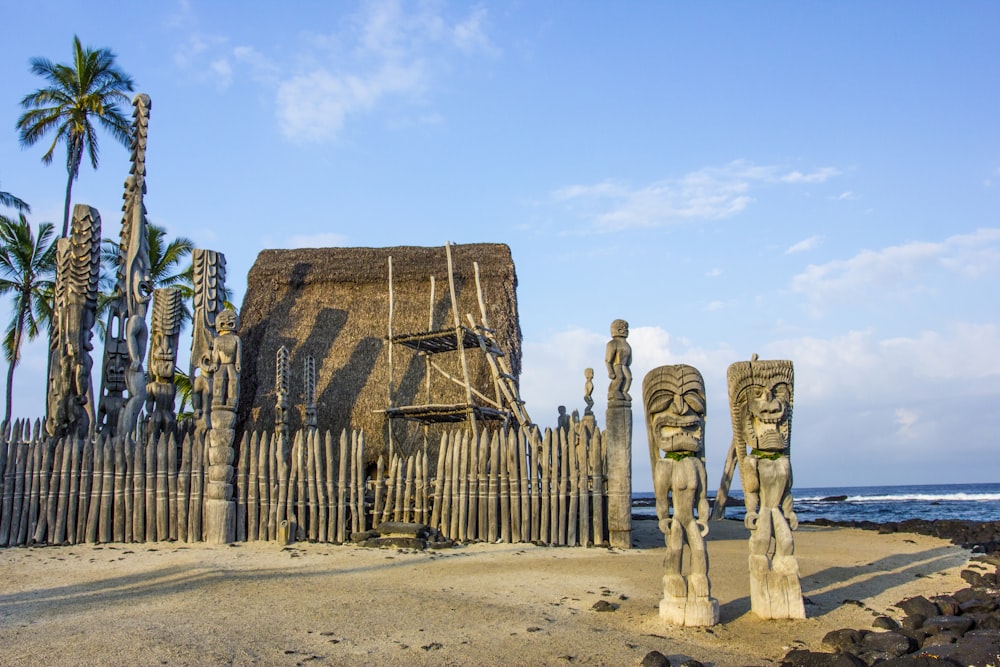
505, 486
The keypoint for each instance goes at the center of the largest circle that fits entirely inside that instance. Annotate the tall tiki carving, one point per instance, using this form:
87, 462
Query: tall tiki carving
165, 332
70, 401
209, 278
309, 379
674, 397
225, 365
760, 398
134, 283
282, 383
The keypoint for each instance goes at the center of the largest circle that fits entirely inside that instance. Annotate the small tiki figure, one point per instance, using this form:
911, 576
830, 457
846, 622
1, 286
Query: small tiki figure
227, 352
675, 423
588, 391
618, 358
760, 398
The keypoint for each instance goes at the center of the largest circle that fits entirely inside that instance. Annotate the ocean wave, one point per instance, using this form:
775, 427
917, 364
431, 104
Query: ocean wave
920, 497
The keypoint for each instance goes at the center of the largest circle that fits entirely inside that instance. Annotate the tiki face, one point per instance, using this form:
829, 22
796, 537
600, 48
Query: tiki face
619, 329
675, 409
162, 359
761, 399
115, 364
227, 321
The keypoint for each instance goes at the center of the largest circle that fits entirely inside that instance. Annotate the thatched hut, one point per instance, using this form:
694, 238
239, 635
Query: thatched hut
333, 304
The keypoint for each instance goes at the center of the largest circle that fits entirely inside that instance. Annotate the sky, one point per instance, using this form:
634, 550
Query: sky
812, 181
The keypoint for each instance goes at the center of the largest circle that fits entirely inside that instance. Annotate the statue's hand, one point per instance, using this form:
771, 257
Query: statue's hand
702, 527
750, 521
793, 520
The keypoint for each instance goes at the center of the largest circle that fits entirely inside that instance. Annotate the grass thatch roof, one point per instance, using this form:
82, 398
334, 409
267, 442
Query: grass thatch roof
333, 304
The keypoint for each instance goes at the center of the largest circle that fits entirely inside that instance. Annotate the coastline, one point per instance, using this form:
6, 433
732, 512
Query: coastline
313, 604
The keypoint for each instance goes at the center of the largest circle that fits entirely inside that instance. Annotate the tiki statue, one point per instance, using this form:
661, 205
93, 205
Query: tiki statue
674, 397
226, 363
760, 398
618, 358
166, 328
209, 278
70, 397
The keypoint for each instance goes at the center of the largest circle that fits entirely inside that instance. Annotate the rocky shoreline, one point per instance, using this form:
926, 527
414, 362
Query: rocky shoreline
945, 630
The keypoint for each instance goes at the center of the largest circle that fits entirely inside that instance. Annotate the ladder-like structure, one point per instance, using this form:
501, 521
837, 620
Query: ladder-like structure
505, 406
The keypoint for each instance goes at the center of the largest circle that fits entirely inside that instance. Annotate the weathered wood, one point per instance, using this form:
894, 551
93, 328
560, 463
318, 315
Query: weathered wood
197, 486
152, 454
563, 477
379, 490
321, 498
418, 493
582, 487
172, 487
597, 471
242, 483
523, 440
310, 444
17, 498
282, 456
58, 494
572, 488
105, 527
505, 535
299, 456
86, 481
253, 490
425, 487
439, 483
444, 481
342, 489
461, 441
9, 475
390, 487
463, 489
184, 489
476, 494
129, 487
36, 510
408, 498
493, 490
331, 486
97, 482
118, 509
72, 503
264, 476
544, 533
162, 497
482, 448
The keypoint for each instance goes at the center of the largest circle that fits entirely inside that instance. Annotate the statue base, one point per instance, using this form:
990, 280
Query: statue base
618, 445
775, 592
689, 612
220, 521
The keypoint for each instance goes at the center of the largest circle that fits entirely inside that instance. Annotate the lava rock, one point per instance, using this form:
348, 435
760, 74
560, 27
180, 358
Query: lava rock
948, 605
975, 650
914, 622
655, 659
918, 605
885, 623
958, 625
940, 639
892, 643
804, 658
843, 640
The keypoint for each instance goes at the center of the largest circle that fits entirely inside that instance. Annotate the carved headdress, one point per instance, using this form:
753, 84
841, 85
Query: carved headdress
760, 401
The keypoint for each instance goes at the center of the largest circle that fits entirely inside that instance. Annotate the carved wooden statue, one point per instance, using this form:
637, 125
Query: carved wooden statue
282, 384
309, 379
588, 391
78, 262
618, 358
209, 281
225, 365
137, 285
760, 398
674, 397
166, 329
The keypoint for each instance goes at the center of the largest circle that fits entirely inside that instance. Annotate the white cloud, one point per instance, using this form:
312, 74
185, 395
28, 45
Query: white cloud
223, 72
710, 193
713, 273
847, 195
714, 306
470, 35
804, 245
906, 421
899, 269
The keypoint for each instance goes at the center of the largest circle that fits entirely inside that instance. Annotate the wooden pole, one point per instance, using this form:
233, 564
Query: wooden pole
310, 443
546, 508
561, 509
36, 513
265, 476
282, 458
461, 441
19, 505
582, 465
463, 489
172, 488
439, 483
380, 485
118, 511
331, 518
597, 465
494, 471
74, 491
9, 475
184, 490
128, 490
94, 516
513, 468
197, 487
408, 498
321, 479
399, 501
352, 490
83, 503
342, 490
459, 339
523, 440
501, 461
482, 446
476, 493
362, 515
57, 491
242, 488
253, 489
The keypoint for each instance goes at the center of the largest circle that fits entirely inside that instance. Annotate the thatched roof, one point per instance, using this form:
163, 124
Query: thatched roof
333, 304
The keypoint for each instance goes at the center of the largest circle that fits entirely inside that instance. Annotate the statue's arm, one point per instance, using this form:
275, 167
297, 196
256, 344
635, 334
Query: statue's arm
788, 506
239, 355
703, 511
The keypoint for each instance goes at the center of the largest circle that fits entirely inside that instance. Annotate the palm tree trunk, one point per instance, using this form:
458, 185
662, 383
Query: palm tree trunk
72, 167
15, 355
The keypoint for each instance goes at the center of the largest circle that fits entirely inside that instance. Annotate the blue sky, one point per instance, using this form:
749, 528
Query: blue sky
806, 180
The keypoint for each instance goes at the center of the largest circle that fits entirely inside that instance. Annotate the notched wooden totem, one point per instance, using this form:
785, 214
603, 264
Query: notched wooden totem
674, 397
78, 262
209, 281
164, 337
760, 399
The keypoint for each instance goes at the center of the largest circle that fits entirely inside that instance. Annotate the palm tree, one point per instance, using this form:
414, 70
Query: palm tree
92, 86
27, 270
10, 201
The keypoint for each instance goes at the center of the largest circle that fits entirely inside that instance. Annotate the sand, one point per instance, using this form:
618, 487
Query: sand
481, 604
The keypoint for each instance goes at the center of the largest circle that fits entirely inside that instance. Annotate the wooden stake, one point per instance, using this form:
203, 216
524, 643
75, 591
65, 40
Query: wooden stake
476, 493
379, 490
74, 491
463, 488
310, 442
118, 511
265, 478
494, 490
501, 461
597, 465
242, 482
253, 489
482, 447
172, 488
94, 513
342, 490
582, 464
439, 483
36, 513
184, 490
86, 480
321, 479
560, 509
331, 484
197, 482
408, 498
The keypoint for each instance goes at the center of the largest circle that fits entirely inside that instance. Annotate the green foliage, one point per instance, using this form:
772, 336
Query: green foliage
27, 272
91, 87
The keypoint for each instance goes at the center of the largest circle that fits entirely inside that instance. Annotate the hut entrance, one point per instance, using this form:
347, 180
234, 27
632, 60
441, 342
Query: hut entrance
505, 406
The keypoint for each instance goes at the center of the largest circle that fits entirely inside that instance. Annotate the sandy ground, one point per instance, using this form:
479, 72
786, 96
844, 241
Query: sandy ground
319, 604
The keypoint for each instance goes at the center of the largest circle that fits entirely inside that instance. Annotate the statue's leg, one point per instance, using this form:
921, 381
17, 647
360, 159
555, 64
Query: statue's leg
673, 582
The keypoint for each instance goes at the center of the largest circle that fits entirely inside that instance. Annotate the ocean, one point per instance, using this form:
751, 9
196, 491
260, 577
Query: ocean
881, 504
